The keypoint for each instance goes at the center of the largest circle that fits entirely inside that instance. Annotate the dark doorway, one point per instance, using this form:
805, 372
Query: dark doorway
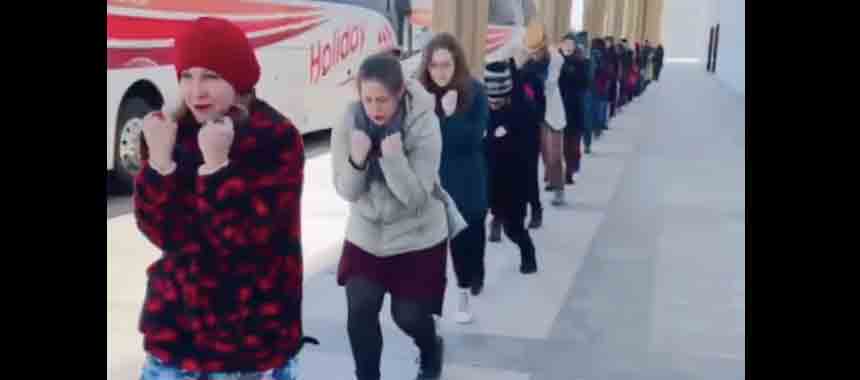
716, 48
710, 50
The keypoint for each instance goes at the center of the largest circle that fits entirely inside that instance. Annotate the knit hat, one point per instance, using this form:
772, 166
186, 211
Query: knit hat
498, 80
535, 36
218, 45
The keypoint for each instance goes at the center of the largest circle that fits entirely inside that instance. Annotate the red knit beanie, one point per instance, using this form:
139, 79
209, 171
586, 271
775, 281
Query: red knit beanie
218, 45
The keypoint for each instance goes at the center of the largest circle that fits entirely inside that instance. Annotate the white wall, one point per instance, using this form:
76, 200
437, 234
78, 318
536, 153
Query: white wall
576, 14
712, 18
731, 60
685, 28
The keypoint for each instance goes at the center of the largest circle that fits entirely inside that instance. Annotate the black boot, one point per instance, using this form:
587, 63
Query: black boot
495, 230
528, 261
528, 267
537, 218
431, 362
477, 287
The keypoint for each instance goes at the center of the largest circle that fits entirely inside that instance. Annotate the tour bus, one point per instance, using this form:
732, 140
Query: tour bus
308, 50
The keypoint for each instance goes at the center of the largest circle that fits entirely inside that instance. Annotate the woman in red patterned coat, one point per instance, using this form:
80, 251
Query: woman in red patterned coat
219, 195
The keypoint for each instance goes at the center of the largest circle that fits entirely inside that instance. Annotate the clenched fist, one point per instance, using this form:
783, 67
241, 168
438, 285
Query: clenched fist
449, 102
215, 139
360, 146
392, 145
159, 131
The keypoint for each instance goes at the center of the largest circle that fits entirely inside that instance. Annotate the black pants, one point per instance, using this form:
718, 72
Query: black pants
613, 97
657, 69
467, 250
534, 183
515, 230
364, 301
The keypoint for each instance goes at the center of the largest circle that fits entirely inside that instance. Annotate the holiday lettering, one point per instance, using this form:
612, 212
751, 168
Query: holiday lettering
326, 55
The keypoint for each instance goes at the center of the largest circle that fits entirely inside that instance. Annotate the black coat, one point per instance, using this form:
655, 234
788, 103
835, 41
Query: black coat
531, 78
627, 62
573, 83
510, 156
658, 56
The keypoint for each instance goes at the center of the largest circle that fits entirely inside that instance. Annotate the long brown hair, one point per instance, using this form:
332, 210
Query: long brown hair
461, 80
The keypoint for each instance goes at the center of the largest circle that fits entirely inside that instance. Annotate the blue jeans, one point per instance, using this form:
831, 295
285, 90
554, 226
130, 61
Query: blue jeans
598, 109
154, 369
588, 125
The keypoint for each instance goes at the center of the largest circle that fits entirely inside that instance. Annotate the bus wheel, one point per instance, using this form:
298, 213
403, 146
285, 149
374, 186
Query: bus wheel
129, 129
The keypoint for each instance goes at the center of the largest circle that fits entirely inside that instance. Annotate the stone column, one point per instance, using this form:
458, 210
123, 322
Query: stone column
653, 22
467, 21
595, 16
555, 17
618, 19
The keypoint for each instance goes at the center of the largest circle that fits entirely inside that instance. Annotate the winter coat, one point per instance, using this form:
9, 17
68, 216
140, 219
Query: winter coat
226, 293
400, 214
531, 86
464, 169
554, 114
658, 56
511, 155
573, 84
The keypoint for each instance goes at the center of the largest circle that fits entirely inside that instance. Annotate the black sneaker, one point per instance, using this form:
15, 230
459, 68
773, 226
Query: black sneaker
528, 267
537, 218
569, 180
588, 150
430, 367
477, 287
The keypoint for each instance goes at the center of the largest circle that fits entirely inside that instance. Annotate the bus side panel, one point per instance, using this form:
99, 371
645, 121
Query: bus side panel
119, 81
311, 80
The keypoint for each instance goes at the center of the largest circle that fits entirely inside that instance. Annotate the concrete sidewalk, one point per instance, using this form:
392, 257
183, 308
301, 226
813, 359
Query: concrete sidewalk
640, 277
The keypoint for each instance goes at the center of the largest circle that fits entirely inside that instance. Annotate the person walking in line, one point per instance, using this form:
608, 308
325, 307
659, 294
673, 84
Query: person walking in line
461, 106
545, 63
613, 67
658, 62
512, 118
599, 87
531, 89
385, 158
573, 84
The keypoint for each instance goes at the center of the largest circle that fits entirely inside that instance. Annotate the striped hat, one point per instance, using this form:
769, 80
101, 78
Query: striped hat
498, 80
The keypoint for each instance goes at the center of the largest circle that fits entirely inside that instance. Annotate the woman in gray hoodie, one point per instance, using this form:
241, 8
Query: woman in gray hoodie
386, 157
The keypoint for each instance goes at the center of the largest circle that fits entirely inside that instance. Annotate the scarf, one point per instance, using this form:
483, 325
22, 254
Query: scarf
377, 134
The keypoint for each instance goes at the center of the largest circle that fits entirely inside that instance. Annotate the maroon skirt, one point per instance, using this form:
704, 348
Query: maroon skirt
416, 275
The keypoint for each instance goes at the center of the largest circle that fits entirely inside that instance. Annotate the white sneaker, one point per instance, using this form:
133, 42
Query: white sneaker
558, 200
463, 315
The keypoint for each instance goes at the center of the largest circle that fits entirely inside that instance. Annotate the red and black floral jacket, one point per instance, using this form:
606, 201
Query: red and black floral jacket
226, 293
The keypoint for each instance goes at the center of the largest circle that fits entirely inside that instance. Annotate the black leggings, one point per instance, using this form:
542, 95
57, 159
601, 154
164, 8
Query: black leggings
513, 227
534, 183
364, 301
467, 250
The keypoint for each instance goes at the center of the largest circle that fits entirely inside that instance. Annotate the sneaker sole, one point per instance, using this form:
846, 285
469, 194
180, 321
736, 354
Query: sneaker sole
463, 320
